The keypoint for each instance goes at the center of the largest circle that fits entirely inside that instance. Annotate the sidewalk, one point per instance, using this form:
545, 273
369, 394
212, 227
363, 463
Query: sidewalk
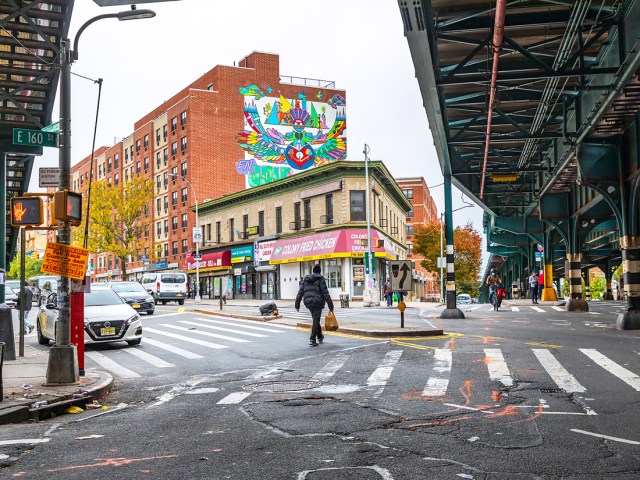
24, 379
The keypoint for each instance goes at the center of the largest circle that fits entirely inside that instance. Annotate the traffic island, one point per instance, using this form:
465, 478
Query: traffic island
576, 305
451, 313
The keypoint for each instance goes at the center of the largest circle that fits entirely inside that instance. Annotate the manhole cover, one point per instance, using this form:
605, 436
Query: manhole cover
282, 386
551, 390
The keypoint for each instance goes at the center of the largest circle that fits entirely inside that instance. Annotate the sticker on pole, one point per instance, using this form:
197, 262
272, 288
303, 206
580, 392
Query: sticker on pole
401, 277
65, 260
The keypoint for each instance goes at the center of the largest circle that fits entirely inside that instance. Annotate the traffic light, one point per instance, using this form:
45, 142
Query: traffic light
364, 242
379, 243
26, 211
68, 207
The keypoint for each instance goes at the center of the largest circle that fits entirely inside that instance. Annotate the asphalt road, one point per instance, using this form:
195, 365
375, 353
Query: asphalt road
517, 394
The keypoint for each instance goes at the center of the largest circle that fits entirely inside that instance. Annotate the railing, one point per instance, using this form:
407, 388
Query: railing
308, 82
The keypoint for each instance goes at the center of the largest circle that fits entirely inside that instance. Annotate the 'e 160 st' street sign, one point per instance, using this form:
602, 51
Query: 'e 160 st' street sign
34, 138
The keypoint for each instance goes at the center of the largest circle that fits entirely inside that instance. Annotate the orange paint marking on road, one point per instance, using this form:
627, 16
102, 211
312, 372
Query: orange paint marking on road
452, 344
506, 411
486, 329
19, 474
467, 395
531, 370
489, 339
439, 423
496, 396
111, 462
484, 407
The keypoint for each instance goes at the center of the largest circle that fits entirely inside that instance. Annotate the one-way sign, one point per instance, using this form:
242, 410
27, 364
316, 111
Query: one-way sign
401, 277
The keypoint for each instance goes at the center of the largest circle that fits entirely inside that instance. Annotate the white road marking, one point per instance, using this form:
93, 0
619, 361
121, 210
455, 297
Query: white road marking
464, 407
515, 309
607, 437
594, 313
558, 373
223, 329
538, 309
186, 339
476, 307
497, 367
110, 365
622, 373
437, 385
167, 314
559, 309
331, 368
274, 325
239, 325
234, 398
207, 334
172, 349
381, 375
147, 357
24, 441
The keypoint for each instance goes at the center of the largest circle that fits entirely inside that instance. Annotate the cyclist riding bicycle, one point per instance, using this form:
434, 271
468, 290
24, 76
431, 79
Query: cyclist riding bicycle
493, 282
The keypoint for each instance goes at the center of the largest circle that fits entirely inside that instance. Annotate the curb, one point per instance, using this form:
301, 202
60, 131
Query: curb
25, 413
397, 332
255, 318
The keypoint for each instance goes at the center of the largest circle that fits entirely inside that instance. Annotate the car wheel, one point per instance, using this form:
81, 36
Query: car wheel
134, 342
164, 302
42, 340
180, 302
150, 312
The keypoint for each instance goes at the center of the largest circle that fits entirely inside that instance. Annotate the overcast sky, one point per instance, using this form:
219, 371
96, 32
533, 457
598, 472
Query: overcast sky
359, 44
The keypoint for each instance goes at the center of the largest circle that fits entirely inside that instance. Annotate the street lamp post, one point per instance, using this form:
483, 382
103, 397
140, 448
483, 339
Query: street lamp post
368, 269
62, 366
197, 240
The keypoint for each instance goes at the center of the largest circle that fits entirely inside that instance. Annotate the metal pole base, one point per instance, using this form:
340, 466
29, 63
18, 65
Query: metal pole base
629, 320
576, 305
197, 299
549, 295
63, 365
451, 313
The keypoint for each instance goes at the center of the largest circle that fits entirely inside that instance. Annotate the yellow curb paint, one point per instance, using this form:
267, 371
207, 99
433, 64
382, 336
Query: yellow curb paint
546, 345
411, 345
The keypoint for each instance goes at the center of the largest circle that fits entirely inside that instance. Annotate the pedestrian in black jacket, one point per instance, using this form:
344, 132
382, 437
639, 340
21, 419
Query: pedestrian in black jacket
314, 291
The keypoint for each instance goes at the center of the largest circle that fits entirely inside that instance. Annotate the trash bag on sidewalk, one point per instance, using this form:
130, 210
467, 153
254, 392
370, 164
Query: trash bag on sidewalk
268, 308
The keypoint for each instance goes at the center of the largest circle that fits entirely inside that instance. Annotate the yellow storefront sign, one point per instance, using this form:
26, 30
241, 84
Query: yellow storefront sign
65, 260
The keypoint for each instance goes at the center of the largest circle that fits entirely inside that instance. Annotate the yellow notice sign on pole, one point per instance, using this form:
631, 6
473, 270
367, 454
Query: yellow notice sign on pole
65, 260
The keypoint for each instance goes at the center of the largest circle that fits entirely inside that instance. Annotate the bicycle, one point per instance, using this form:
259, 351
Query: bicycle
494, 300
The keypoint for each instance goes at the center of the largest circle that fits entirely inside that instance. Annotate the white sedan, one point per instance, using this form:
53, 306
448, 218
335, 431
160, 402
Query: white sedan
107, 319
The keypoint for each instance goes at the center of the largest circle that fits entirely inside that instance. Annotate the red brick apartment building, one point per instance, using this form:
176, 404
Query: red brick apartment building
424, 210
231, 129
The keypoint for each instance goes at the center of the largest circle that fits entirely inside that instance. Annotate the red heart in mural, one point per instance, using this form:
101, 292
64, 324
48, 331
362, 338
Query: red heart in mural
300, 158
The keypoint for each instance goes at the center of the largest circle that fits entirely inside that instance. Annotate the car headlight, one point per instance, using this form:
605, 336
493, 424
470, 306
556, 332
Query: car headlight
130, 320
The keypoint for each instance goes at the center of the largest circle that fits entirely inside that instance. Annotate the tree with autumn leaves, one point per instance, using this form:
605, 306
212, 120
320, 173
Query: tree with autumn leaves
467, 254
117, 219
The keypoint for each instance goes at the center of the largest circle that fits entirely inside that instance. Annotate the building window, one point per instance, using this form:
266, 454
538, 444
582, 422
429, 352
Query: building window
231, 232
137, 146
185, 246
357, 207
409, 248
174, 124
278, 219
146, 230
296, 215
158, 182
165, 155
218, 232
137, 167
184, 195
159, 205
116, 179
166, 250
174, 223
158, 160
408, 230
174, 202
174, 148
159, 228
183, 169
245, 224
307, 214
131, 150
165, 179
116, 160
210, 87
174, 248
408, 192
184, 220
261, 223
328, 208
332, 272
174, 174
183, 144
208, 226
126, 155
166, 226
99, 171
108, 165
164, 132
157, 136
166, 202
146, 163
146, 142
410, 214
183, 119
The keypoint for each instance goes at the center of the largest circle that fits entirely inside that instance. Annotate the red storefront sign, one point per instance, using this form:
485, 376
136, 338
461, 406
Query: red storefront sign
209, 262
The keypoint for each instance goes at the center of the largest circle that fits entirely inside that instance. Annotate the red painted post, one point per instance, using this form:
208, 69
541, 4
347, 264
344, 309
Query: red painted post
77, 320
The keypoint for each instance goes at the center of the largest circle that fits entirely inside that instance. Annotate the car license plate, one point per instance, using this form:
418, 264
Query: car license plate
179, 295
136, 305
108, 331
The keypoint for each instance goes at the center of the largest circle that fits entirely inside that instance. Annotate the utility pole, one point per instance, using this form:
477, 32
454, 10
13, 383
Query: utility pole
369, 269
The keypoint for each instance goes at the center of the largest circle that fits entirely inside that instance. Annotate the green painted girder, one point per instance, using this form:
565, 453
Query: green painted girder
524, 225
508, 239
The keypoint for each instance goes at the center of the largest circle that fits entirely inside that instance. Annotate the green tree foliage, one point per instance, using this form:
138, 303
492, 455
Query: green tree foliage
598, 287
31, 267
117, 218
467, 242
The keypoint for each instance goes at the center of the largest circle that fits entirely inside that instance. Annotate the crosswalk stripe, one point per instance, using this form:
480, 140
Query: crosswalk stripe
538, 309
497, 367
112, 366
594, 313
172, 349
239, 325
330, 368
272, 325
437, 385
186, 339
515, 309
381, 375
558, 373
234, 398
559, 309
224, 329
622, 373
207, 334
474, 308
147, 357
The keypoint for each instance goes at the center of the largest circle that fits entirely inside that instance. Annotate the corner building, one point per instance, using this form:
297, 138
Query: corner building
266, 239
231, 129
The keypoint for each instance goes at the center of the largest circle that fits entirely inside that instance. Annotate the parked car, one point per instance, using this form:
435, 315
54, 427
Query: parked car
464, 298
11, 292
107, 318
135, 295
166, 286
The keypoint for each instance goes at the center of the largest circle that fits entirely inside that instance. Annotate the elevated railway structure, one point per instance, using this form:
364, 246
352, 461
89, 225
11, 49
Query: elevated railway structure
533, 107
30, 33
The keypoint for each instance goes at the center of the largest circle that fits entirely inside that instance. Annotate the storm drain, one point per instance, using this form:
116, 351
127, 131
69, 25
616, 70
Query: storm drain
552, 390
282, 386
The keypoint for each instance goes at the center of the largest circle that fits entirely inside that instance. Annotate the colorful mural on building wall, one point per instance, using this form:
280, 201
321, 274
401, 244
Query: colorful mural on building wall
283, 135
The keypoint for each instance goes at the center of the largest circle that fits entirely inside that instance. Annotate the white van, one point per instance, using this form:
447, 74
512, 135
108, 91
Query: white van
166, 286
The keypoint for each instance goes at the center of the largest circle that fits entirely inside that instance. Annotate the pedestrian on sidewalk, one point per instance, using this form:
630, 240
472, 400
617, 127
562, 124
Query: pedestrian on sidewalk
314, 291
533, 286
28, 302
388, 293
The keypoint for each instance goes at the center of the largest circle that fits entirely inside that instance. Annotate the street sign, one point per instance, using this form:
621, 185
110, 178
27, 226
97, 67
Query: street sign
442, 262
65, 260
252, 231
401, 277
197, 235
48, 177
538, 256
34, 138
54, 127
197, 256
366, 262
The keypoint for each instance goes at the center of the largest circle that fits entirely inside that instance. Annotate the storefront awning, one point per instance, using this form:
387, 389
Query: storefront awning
209, 262
343, 243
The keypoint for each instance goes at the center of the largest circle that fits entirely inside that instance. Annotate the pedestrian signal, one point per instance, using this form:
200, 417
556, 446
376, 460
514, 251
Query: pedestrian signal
68, 207
364, 242
379, 243
26, 211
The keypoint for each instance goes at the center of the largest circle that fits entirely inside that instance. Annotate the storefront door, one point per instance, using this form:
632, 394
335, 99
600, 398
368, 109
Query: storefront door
268, 285
358, 281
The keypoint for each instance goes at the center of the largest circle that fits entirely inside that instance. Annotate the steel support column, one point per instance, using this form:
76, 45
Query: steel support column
630, 250
548, 293
575, 303
451, 311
